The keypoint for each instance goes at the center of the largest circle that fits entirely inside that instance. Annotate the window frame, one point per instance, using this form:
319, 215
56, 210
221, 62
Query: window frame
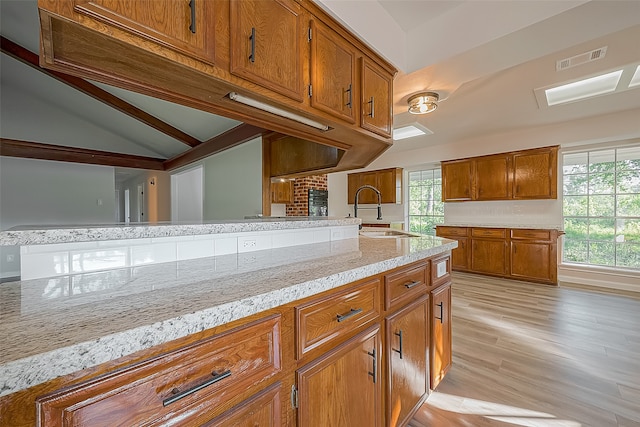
437, 215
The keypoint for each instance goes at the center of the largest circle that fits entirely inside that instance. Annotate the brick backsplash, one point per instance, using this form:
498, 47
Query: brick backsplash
301, 188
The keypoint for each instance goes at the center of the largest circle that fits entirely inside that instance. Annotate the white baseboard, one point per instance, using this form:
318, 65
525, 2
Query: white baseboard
626, 280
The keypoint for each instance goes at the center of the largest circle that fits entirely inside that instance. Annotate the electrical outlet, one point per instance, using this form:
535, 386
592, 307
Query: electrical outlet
249, 244
10, 258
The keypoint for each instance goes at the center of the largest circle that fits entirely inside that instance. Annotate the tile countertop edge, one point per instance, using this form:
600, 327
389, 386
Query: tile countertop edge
87, 233
33, 370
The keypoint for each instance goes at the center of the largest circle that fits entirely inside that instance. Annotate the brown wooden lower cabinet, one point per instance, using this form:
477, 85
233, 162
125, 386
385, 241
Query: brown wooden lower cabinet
358, 355
515, 253
343, 387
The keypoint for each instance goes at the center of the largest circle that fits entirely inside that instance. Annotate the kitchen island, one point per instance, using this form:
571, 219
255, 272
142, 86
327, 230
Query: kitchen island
66, 330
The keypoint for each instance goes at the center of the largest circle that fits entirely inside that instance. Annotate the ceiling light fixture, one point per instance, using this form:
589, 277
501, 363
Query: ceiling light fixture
586, 88
409, 131
423, 102
234, 96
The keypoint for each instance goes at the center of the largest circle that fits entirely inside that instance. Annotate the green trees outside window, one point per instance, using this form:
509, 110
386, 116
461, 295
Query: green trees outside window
601, 207
426, 208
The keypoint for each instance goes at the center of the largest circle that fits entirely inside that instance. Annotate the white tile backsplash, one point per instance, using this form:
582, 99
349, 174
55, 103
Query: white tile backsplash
505, 213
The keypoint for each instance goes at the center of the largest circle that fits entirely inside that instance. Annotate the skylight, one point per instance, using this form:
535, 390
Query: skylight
409, 131
635, 80
587, 88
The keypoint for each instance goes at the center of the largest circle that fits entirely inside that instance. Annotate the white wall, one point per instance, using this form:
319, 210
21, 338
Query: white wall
233, 182
42, 192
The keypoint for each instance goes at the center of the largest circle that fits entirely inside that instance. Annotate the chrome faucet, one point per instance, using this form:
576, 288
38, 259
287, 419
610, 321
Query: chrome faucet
355, 202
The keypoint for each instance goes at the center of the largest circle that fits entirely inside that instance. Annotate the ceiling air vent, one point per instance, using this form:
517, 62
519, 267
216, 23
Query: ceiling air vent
583, 58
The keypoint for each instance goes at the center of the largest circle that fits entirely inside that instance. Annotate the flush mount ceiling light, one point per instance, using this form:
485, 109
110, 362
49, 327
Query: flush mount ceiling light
423, 102
409, 131
587, 88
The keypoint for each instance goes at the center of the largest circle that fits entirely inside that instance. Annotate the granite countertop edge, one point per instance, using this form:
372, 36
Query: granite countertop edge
27, 372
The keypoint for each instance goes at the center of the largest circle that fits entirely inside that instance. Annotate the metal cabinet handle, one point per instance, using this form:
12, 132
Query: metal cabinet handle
440, 318
177, 394
410, 285
350, 92
352, 312
252, 37
375, 369
372, 111
399, 335
192, 5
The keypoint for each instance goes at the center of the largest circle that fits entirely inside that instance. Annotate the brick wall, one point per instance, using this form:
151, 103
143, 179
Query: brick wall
301, 188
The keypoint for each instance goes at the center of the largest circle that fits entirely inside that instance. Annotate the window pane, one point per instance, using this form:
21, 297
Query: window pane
437, 193
602, 229
628, 181
601, 205
628, 158
575, 251
415, 207
628, 205
602, 183
415, 178
574, 163
415, 193
428, 225
602, 161
438, 208
414, 224
575, 184
628, 230
576, 205
576, 228
437, 174
602, 253
628, 255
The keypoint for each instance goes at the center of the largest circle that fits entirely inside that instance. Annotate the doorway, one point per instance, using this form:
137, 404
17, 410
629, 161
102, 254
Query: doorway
187, 199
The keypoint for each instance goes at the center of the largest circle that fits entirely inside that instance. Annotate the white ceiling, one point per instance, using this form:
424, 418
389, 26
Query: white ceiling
485, 58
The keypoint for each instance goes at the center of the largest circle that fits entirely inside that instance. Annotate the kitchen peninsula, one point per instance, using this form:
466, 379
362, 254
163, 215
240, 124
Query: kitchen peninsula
243, 334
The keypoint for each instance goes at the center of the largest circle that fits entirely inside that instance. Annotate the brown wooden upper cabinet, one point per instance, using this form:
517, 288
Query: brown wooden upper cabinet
387, 181
180, 25
266, 44
376, 100
282, 192
333, 78
527, 174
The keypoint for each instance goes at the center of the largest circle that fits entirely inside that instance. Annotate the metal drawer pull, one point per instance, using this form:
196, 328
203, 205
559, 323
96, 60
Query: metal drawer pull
352, 312
192, 5
180, 394
399, 335
410, 285
350, 95
371, 113
252, 37
375, 370
439, 318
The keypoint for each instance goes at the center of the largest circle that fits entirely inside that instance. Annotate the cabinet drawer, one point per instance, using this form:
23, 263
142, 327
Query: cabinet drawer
496, 233
326, 319
184, 384
531, 234
452, 231
263, 409
405, 285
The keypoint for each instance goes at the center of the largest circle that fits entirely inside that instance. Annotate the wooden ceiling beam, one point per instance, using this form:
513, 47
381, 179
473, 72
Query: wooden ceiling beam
29, 58
236, 136
36, 150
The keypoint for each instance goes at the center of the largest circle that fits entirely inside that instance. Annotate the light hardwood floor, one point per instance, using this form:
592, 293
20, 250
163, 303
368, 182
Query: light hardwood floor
537, 355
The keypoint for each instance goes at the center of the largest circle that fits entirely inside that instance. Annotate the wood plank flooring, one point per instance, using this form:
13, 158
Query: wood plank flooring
536, 355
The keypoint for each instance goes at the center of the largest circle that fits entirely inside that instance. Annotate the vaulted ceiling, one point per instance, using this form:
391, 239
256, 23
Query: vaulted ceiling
484, 58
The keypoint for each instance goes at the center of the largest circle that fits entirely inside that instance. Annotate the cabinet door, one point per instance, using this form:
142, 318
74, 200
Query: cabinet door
332, 73
533, 260
266, 44
489, 256
282, 192
180, 25
368, 196
492, 177
460, 255
440, 333
263, 409
389, 182
457, 180
343, 387
535, 174
407, 360
376, 101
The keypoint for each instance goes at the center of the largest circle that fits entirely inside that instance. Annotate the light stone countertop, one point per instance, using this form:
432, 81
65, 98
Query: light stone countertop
517, 226
57, 326
41, 235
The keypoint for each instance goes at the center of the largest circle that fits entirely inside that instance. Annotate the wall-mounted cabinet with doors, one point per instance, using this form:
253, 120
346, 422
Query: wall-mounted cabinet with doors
282, 191
286, 54
515, 253
387, 181
526, 174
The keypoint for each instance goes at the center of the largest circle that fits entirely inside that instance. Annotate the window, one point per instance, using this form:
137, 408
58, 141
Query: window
601, 207
426, 208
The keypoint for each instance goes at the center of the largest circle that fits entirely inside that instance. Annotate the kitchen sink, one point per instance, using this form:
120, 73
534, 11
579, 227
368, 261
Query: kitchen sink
387, 234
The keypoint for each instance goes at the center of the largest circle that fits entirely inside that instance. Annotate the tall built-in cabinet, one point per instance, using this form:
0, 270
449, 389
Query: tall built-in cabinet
365, 354
526, 174
287, 54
